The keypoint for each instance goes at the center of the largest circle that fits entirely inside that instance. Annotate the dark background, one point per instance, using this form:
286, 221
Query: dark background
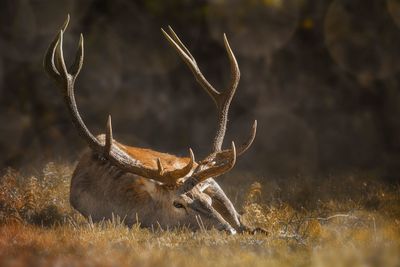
321, 77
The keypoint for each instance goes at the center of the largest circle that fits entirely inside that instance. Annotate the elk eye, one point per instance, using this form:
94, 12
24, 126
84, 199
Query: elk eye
190, 195
178, 205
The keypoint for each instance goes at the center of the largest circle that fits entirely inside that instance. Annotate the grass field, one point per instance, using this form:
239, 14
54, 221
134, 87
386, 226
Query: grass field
338, 222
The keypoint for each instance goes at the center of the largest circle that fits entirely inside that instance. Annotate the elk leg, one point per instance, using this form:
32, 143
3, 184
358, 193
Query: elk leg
224, 206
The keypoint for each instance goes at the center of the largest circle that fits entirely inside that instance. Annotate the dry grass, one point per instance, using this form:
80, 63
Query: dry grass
351, 223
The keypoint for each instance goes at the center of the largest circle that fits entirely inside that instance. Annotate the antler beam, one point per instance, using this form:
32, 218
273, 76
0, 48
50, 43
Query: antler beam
222, 100
55, 65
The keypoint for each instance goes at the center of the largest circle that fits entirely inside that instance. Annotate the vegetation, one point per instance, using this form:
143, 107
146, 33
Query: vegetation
352, 223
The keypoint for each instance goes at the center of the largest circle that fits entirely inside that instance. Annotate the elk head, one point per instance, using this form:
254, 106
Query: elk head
168, 190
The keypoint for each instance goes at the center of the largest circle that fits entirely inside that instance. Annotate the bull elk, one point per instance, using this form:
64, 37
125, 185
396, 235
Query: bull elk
146, 186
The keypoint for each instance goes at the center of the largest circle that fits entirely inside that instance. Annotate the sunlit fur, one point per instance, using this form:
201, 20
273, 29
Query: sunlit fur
100, 191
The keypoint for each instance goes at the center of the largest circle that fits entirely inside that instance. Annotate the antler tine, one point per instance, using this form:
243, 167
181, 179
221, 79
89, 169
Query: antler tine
78, 62
178, 173
235, 71
60, 63
48, 61
243, 147
220, 169
109, 137
191, 62
160, 167
181, 45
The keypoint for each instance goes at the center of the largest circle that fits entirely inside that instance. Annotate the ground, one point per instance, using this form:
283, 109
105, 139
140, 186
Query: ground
332, 222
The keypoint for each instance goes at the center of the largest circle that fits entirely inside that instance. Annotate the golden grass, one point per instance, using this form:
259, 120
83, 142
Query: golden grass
356, 224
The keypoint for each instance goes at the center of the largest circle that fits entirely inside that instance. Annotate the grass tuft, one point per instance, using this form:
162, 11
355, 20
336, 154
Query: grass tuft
353, 222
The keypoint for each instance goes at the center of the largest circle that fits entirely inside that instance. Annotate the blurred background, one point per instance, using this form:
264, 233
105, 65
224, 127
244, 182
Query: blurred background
321, 77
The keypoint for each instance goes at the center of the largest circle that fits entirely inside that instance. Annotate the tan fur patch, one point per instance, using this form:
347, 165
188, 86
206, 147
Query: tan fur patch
149, 157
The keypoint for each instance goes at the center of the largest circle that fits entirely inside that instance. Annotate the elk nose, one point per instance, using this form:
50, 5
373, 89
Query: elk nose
224, 226
231, 231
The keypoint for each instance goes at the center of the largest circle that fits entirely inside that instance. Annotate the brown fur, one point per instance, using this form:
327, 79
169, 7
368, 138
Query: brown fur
148, 157
100, 190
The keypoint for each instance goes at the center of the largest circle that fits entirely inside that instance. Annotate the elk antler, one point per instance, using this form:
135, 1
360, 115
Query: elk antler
54, 64
219, 161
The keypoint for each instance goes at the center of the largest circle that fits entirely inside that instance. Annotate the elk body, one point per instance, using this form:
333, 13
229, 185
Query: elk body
142, 185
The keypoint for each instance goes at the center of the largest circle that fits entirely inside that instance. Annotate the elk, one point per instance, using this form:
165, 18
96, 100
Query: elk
143, 185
